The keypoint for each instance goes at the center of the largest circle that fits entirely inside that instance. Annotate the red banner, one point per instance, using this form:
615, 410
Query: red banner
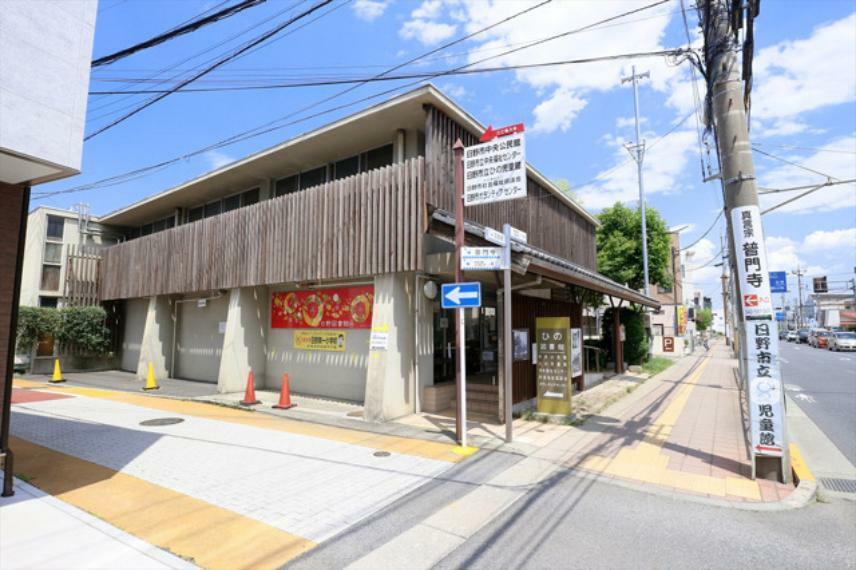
339, 308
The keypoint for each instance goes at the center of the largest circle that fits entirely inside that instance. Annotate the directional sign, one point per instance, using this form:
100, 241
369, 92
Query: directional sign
481, 259
492, 133
778, 282
495, 171
457, 295
498, 238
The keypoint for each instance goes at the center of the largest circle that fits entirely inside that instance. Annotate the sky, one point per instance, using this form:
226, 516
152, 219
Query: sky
578, 117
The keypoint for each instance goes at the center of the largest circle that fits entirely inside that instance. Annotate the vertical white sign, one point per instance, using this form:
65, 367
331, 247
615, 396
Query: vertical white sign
766, 411
576, 352
495, 171
751, 260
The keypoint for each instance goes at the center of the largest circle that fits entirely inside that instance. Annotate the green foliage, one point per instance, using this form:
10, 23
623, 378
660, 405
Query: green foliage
35, 323
565, 186
84, 328
703, 319
656, 365
80, 327
636, 341
619, 246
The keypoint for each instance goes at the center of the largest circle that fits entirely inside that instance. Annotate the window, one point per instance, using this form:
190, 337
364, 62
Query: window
53, 253
169, 222
146, 230
195, 214
286, 186
50, 278
48, 302
250, 197
313, 177
232, 203
157, 226
212, 209
346, 167
379, 157
55, 227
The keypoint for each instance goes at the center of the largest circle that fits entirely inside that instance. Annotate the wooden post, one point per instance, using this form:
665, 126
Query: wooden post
460, 322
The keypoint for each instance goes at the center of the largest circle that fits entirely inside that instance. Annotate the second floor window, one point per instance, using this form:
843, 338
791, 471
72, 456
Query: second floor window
55, 227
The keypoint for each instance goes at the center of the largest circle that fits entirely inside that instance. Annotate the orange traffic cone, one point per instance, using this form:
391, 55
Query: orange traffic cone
284, 395
250, 394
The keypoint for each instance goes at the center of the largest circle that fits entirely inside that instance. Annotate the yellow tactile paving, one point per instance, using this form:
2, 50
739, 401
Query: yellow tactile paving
207, 535
799, 465
403, 445
646, 463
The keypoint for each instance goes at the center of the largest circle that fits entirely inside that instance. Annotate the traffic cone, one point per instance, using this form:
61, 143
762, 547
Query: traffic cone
57, 375
284, 395
151, 383
250, 394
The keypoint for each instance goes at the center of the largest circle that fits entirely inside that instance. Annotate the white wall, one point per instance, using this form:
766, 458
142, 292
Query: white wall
34, 250
132, 337
199, 342
45, 54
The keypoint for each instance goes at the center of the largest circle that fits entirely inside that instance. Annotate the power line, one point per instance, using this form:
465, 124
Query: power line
187, 28
399, 77
792, 163
804, 187
262, 38
707, 231
815, 148
267, 127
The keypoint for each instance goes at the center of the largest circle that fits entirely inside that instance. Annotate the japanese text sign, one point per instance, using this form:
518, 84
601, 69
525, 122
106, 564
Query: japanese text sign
553, 373
765, 387
495, 171
481, 258
751, 261
339, 308
331, 341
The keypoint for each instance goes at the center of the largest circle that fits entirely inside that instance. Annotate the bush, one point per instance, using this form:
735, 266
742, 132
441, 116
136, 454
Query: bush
636, 343
35, 323
83, 328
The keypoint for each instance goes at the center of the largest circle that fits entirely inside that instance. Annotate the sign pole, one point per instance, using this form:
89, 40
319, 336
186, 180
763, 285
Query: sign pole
460, 368
508, 362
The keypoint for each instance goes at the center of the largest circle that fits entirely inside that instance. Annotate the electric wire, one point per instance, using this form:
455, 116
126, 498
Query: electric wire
704, 235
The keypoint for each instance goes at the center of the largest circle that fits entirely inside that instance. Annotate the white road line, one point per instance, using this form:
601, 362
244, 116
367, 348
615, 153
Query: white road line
805, 398
785, 360
793, 388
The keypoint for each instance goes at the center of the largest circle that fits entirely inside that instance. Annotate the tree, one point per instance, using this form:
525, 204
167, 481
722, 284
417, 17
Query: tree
565, 186
703, 319
619, 246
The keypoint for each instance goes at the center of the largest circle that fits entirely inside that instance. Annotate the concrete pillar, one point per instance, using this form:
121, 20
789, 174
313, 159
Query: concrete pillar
424, 341
157, 344
390, 389
245, 339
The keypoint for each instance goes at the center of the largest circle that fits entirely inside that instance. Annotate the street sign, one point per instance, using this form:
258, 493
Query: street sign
820, 285
766, 411
482, 258
752, 262
780, 315
459, 295
778, 282
668, 344
498, 238
496, 170
492, 133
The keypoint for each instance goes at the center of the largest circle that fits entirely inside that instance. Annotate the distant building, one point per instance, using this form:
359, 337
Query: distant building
666, 324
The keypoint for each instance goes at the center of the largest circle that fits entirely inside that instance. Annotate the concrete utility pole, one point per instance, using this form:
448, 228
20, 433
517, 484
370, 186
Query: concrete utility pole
724, 279
799, 274
759, 347
637, 151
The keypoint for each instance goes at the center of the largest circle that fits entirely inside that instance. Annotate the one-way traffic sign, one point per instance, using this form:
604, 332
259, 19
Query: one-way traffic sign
458, 295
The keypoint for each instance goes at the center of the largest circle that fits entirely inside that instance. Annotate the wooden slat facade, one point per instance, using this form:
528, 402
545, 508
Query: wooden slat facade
367, 224
549, 223
82, 275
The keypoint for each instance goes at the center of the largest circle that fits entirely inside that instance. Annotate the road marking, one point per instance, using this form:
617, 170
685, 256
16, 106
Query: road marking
785, 360
792, 388
844, 359
805, 398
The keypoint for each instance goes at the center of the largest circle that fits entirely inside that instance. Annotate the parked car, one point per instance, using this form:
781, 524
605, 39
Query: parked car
792, 336
21, 363
783, 334
842, 341
819, 338
802, 336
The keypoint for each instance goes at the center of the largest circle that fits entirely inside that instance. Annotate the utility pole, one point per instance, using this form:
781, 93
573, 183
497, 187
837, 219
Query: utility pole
637, 151
799, 274
724, 279
759, 354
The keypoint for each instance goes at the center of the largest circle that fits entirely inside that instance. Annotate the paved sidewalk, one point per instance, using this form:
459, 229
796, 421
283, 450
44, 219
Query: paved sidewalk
39, 531
223, 487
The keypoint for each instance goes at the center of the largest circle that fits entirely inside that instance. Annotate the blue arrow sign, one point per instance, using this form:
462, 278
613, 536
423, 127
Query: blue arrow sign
457, 295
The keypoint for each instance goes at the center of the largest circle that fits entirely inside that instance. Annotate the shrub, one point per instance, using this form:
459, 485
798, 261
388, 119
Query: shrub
83, 328
35, 323
636, 343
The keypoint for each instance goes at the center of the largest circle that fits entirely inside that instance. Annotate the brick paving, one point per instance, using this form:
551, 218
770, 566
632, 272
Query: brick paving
685, 434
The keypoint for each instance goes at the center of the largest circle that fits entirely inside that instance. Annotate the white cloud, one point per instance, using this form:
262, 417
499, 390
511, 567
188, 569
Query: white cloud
369, 10
428, 10
217, 159
837, 164
628, 122
796, 76
557, 112
426, 32
456, 91
836, 239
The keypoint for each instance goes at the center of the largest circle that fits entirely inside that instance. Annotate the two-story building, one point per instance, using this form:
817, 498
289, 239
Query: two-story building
321, 257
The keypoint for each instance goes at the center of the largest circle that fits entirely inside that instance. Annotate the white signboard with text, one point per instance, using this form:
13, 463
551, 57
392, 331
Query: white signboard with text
495, 171
576, 352
481, 259
766, 411
751, 261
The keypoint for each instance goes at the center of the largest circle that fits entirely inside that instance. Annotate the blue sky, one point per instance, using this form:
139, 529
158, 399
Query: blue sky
577, 117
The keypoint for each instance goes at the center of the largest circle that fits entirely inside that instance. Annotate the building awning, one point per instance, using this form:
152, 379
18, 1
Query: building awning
538, 261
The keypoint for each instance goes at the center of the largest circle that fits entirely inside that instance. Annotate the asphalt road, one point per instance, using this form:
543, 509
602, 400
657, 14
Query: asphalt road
576, 523
823, 384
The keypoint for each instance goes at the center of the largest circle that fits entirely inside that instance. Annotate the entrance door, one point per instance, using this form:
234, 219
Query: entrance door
482, 342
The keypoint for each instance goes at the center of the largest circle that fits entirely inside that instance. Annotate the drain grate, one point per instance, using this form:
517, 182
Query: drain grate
161, 422
840, 485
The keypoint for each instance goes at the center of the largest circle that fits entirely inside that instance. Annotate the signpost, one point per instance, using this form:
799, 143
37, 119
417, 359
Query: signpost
492, 171
461, 296
778, 282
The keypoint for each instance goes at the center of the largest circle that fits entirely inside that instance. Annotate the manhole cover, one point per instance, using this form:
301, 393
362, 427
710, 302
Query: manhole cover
161, 422
381, 454
840, 485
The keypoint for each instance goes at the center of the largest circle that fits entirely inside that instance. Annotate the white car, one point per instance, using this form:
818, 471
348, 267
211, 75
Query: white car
792, 336
842, 341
